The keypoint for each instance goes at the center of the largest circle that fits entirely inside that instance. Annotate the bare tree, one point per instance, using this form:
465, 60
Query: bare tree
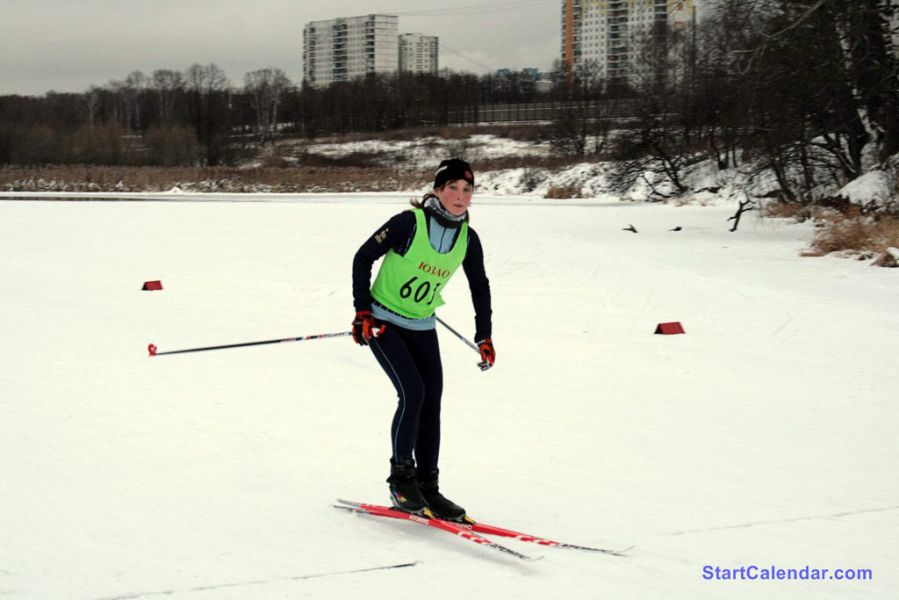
577, 116
872, 67
91, 103
849, 83
135, 83
266, 89
665, 137
126, 110
116, 88
205, 79
167, 84
207, 89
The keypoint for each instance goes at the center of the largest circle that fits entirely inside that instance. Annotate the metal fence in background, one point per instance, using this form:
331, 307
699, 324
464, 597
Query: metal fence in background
525, 112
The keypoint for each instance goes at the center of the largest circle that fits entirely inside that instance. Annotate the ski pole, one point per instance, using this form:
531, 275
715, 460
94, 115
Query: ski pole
318, 336
483, 365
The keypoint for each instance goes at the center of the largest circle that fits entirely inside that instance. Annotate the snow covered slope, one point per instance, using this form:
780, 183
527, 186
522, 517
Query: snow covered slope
764, 436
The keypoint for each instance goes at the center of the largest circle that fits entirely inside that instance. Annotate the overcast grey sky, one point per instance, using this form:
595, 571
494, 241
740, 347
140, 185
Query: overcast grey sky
68, 45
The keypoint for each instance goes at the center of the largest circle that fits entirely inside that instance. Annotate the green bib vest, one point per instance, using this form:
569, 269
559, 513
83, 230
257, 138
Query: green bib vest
411, 285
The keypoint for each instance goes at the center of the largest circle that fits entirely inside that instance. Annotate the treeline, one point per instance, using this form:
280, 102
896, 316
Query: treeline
168, 118
804, 93
198, 117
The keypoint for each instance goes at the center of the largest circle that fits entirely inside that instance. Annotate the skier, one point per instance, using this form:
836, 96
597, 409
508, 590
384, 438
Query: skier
395, 317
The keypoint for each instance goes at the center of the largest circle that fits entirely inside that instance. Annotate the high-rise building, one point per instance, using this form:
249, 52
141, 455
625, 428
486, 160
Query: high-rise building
418, 53
345, 48
605, 37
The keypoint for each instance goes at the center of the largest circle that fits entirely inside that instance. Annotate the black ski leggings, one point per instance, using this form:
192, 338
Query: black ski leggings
411, 360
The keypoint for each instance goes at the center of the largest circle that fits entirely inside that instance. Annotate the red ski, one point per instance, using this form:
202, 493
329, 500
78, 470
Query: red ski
525, 537
472, 528
463, 531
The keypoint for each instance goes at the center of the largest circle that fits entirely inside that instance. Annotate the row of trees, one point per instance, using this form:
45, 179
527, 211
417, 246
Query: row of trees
803, 91
169, 117
223, 118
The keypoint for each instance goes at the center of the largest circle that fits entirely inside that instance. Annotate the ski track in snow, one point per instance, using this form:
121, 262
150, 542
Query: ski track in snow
242, 584
790, 520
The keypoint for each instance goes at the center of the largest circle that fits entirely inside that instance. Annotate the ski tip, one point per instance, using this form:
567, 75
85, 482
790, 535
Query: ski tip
609, 551
618, 552
621, 552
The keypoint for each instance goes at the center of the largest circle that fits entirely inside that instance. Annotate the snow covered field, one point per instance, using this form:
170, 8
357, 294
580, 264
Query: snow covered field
764, 436
420, 152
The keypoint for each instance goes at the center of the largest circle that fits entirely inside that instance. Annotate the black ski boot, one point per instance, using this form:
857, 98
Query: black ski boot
404, 492
442, 507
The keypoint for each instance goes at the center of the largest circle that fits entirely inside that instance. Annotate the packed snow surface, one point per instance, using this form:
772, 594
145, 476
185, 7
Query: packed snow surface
766, 436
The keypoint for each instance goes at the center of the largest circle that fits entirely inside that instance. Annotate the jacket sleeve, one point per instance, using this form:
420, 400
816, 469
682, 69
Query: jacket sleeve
479, 286
394, 234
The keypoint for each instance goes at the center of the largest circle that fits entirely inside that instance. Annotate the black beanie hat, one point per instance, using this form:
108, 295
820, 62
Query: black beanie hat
452, 169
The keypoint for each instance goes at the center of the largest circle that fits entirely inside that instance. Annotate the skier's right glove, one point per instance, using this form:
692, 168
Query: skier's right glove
488, 354
364, 328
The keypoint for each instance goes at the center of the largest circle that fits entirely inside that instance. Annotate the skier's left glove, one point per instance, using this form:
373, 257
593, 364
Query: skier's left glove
488, 354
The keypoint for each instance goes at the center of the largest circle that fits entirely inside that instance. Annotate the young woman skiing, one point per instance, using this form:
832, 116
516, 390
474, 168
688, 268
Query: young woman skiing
395, 318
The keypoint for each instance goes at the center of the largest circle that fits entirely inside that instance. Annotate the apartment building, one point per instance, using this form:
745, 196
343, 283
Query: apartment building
345, 48
418, 53
606, 37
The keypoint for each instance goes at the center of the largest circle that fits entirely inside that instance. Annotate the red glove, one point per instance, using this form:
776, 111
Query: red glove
364, 328
488, 354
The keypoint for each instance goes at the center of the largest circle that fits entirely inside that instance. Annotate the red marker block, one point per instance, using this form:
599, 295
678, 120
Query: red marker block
672, 328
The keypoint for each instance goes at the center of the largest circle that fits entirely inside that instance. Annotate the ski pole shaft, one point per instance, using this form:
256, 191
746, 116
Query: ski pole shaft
459, 335
483, 365
153, 351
